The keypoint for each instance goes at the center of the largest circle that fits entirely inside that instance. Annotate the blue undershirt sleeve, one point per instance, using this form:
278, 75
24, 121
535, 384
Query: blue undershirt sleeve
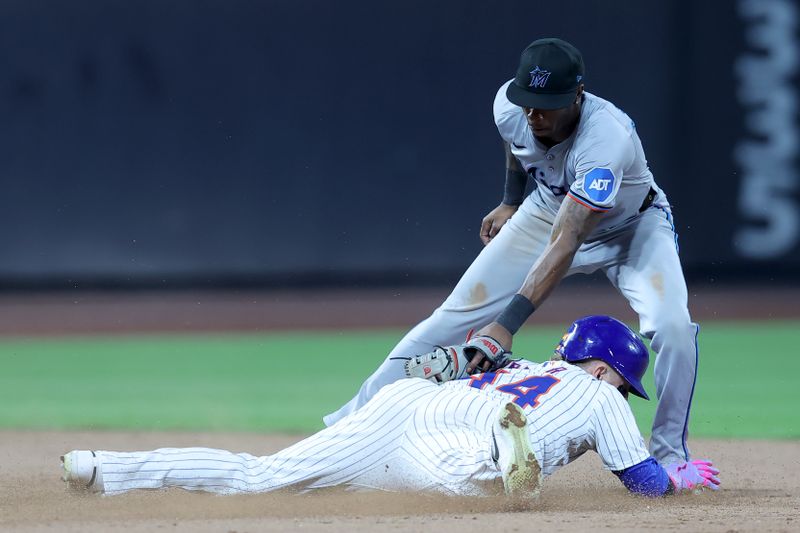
647, 478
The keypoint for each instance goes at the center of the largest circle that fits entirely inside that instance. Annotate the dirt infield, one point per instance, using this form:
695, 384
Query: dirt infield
81, 313
762, 493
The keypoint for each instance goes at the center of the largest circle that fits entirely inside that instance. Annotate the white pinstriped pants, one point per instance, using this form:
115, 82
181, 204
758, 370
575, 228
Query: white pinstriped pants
410, 436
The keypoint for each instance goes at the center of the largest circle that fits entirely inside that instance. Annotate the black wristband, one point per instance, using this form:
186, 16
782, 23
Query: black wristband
516, 313
514, 191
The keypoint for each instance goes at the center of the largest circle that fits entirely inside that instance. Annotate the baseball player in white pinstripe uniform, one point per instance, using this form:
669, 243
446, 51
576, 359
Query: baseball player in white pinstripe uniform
470, 435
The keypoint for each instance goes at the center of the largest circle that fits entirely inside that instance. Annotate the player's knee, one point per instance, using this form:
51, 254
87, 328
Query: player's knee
672, 330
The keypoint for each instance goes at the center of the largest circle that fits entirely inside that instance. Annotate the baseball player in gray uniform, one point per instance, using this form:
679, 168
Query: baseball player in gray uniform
595, 206
453, 433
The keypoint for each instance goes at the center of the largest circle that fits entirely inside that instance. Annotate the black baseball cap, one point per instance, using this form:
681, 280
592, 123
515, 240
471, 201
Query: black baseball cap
549, 73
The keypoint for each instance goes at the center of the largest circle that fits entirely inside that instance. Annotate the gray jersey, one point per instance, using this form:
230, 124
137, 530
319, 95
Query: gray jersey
601, 165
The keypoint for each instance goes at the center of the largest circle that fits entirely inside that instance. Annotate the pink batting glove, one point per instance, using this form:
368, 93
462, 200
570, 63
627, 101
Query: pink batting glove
693, 475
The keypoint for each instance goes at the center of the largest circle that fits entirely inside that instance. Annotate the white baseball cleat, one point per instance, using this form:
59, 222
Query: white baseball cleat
82, 469
522, 475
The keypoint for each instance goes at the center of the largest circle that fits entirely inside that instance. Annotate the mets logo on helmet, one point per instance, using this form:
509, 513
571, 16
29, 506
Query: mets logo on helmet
539, 77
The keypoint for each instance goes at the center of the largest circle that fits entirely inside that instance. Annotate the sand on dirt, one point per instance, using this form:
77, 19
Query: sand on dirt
761, 493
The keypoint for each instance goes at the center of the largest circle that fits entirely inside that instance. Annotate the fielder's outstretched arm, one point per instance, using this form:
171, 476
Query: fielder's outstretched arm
574, 222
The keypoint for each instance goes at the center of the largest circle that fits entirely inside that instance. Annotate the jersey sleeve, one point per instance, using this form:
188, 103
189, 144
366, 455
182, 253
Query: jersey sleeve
617, 438
604, 152
647, 478
508, 118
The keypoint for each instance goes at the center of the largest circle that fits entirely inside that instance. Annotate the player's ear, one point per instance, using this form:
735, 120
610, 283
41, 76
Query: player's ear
600, 371
579, 94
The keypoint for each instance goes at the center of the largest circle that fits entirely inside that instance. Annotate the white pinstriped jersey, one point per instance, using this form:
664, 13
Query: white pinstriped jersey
601, 165
569, 412
413, 435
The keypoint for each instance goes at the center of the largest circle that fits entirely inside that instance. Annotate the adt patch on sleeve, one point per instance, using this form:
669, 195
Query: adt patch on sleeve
598, 184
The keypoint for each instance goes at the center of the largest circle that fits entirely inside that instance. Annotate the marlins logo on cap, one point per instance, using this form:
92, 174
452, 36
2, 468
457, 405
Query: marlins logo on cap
549, 73
539, 77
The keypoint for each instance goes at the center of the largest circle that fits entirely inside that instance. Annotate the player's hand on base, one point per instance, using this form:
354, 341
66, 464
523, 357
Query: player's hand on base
495, 220
691, 475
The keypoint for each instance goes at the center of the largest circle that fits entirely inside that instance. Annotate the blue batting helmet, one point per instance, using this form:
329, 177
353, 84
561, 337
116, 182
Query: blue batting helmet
609, 340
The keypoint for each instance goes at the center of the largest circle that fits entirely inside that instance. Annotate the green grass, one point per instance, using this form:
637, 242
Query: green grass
748, 383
